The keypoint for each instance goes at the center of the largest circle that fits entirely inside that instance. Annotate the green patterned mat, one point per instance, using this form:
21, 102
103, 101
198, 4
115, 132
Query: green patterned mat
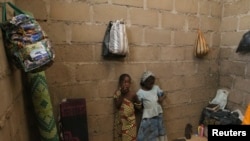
43, 107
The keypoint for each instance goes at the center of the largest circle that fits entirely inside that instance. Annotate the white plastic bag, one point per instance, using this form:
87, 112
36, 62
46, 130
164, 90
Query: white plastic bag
118, 43
221, 98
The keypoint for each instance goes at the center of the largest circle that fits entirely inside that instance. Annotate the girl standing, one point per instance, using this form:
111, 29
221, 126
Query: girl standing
125, 103
152, 126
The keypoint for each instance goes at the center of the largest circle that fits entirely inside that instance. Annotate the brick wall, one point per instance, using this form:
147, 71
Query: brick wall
161, 35
234, 67
13, 104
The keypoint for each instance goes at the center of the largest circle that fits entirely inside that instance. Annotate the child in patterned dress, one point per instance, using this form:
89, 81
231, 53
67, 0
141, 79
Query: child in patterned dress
126, 101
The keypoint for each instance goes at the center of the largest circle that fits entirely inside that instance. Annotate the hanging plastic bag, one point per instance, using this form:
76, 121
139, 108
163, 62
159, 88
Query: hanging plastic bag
118, 43
244, 45
201, 48
115, 43
26, 43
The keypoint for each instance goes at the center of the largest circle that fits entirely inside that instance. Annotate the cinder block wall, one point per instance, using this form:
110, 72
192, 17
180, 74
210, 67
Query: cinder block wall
13, 102
235, 67
161, 35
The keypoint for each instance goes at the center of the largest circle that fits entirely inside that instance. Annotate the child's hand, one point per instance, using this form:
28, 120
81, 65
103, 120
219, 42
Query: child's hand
161, 97
124, 90
136, 99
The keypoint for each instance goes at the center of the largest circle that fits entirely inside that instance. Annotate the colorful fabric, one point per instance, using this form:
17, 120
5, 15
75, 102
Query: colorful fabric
125, 121
246, 119
151, 128
43, 107
26, 43
127, 115
117, 122
117, 127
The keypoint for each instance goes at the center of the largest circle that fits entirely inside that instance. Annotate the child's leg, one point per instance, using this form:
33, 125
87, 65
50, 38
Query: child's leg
162, 129
161, 138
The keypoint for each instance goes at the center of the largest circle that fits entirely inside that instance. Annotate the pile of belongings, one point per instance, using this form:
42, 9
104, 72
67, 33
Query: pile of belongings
216, 114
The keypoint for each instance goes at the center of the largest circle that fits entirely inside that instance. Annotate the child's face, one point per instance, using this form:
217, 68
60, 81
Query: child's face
149, 83
125, 85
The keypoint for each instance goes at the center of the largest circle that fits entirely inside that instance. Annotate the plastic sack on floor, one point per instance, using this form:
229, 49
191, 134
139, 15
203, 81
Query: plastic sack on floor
221, 98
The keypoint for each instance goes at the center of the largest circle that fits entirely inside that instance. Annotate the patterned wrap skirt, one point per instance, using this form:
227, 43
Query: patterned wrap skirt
151, 128
127, 115
125, 122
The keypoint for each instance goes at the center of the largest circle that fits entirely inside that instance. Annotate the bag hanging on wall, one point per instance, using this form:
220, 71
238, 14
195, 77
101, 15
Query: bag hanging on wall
115, 43
244, 45
26, 44
201, 47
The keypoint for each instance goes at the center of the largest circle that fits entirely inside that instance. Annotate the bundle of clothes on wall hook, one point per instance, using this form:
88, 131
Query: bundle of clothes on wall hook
115, 42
